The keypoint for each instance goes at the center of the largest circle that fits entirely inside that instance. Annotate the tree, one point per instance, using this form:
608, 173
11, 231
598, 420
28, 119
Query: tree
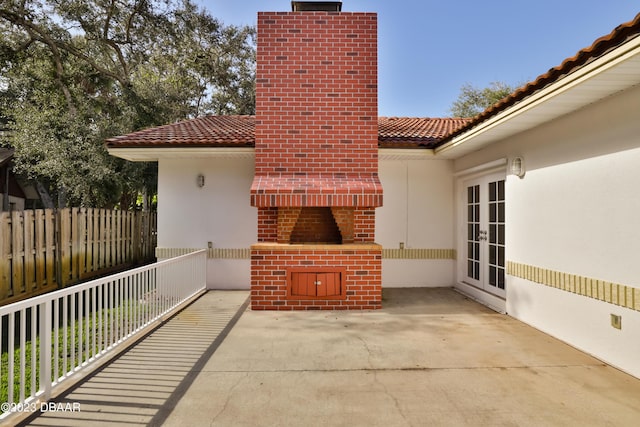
76, 72
472, 101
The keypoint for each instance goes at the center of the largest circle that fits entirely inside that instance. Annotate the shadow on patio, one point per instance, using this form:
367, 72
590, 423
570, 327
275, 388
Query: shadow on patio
142, 385
430, 357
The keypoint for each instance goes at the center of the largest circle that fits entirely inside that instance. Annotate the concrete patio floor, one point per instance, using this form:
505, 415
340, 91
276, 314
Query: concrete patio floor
430, 357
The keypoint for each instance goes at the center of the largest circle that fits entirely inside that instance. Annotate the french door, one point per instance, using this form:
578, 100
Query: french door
485, 238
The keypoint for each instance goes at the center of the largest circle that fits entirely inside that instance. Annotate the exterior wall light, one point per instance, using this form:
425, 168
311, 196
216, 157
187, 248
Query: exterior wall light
517, 167
200, 180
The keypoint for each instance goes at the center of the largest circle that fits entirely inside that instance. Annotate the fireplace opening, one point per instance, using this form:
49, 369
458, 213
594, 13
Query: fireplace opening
316, 225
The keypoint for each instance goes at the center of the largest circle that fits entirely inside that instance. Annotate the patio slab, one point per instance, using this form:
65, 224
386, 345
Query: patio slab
429, 357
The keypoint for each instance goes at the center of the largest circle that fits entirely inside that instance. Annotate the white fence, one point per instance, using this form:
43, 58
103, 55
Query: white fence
49, 338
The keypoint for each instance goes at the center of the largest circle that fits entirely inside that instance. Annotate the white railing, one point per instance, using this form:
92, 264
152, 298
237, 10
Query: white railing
46, 339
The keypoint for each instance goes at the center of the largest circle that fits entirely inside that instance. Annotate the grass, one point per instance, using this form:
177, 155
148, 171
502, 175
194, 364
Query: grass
74, 350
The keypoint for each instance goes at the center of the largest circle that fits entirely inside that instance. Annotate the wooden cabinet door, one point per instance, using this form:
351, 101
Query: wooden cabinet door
316, 284
328, 284
303, 284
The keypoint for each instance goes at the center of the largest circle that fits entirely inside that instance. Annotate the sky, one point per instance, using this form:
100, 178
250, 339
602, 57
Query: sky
428, 49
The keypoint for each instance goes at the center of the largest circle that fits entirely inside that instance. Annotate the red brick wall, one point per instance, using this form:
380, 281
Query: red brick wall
362, 279
267, 224
364, 224
316, 93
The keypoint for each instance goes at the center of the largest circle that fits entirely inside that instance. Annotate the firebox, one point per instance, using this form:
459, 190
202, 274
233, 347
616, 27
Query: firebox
316, 182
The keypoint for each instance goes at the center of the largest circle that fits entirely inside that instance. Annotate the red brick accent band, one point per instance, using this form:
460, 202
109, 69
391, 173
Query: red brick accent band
302, 200
316, 190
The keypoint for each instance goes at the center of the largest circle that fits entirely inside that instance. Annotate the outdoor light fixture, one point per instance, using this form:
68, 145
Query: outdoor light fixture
517, 167
200, 180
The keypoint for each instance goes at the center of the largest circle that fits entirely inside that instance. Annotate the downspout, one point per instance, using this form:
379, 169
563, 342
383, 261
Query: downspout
406, 223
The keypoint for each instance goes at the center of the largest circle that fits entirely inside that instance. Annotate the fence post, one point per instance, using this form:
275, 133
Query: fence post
28, 221
137, 233
58, 248
45, 348
5, 251
17, 257
75, 259
51, 267
39, 249
64, 237
81, 244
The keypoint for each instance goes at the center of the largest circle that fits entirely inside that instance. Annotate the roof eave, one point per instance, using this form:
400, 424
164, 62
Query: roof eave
604, 76
153, 154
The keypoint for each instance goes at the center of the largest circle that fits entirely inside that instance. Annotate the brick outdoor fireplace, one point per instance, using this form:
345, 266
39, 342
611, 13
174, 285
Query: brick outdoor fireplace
316, 182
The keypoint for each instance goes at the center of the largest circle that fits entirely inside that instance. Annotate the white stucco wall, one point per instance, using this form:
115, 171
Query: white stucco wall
418, 212
576, 211
220, 212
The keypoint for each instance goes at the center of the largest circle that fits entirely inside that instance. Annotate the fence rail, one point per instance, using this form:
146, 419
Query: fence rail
46, 339
44, 250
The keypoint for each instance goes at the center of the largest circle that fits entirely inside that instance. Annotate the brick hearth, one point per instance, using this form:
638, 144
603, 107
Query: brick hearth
273, 265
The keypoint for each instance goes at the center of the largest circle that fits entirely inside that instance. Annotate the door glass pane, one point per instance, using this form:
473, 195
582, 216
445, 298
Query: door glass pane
493, 276
496, 225
473, 232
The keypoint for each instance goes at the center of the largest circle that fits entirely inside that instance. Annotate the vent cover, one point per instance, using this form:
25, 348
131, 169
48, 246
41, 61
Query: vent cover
316, 6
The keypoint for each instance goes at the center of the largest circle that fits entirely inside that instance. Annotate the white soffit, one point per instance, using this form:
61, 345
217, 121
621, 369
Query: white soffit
614, 72
405, 154
153, 154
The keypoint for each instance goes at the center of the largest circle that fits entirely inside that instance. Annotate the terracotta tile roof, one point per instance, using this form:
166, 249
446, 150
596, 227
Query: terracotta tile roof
601, 46
412, 131
394, 132
239, 131
206, 131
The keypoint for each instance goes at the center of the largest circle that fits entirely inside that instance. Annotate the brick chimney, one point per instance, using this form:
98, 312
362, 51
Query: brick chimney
316, 182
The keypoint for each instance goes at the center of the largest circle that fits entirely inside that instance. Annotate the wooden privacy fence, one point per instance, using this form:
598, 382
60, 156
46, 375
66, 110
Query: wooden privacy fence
44, 250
